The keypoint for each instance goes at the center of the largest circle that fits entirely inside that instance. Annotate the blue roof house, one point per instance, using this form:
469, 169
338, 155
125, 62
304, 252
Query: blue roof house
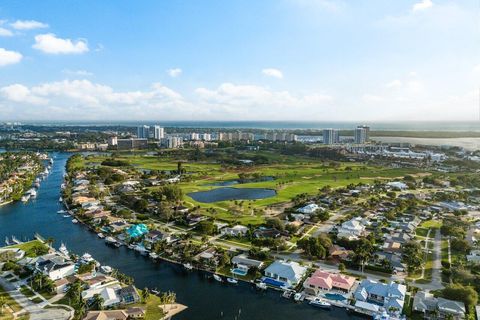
284, 274
391, 296
137, 230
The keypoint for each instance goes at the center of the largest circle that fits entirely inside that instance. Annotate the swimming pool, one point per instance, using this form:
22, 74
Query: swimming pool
334, 296
239, 272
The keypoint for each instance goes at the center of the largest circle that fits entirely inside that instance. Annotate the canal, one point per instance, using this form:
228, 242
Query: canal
205, 299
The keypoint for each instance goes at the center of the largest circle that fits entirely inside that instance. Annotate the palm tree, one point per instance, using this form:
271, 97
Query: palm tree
97, 302
3, 303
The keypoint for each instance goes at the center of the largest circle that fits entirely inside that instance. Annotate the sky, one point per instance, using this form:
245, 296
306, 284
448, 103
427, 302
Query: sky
325, 60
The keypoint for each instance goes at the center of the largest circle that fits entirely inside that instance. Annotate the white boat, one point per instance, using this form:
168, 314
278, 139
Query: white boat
33, 193
25, 197
153, 255
232, 280
66, 216
320, 303
36, 185
63, 250
61, 211
298, 297
110, 240
188, 266
74, 221
87, 258
261, 285
287, 294
60, 199
217, 278
141, 249
100, 235
106, 269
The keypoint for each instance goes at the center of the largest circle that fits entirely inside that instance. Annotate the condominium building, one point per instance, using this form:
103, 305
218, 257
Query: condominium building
360, 135
150, 132
129, 144
367, 131
174, 142
143, 132
331, 136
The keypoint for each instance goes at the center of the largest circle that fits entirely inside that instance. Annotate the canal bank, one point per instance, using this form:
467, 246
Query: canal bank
205, 298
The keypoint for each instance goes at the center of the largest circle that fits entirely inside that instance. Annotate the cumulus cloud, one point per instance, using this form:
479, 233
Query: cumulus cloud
5, 32
9, 57
175, 72
422, 5
79, 73
28, 25
272, 72
22, 94
394, 84
51, 44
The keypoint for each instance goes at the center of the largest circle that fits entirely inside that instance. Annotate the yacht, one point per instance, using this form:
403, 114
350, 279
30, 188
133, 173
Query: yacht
60, 199
261, 285
33, 193
298, 297
110, 240
25, 197
100, 235
106, 269
61, 211
217, 278
153, 255
232, 280
188, 266
320, 303
74, 221
87, 258
66, 216
63, 250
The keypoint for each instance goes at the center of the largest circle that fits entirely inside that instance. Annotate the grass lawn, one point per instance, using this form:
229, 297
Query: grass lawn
26, 292
152, 306
421, 232
226, 272
37, 300
31, 248
10, 301
431, 224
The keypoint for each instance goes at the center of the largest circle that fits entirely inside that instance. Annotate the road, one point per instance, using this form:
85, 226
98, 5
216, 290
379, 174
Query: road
36, 311
436, 282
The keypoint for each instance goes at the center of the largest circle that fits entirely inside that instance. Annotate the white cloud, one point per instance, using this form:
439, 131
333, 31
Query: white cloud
422, 5
175, 72
50, 43
272, 72
372, 98
28, 25
5, 32
80, 73
9, 57
22, 94
394, 84
476, 68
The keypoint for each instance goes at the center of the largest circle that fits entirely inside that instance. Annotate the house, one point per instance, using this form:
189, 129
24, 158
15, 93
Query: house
326, 281
338, 252
107, 315
284, 274
309, 208
394, 260
154, 236
107, 291
55, 266
397, 185
426, 303
263, 232
128, 295
243, 260
391, 296
391, 246
137, 230
351, 229
235, 231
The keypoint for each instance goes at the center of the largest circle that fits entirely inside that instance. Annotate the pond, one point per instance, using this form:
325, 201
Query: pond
222, 194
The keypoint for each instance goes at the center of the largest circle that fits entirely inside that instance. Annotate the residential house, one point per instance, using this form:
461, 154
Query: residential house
284, 274
55, 266
338, 252
263, 232
326, 281
154, 236
351, 229
439, 308
243, 260
390, 296
235, 231
309, 208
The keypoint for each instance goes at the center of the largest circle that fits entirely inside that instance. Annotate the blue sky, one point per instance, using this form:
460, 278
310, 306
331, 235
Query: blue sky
239, 60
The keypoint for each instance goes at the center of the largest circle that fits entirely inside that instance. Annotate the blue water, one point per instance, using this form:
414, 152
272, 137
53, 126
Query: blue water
375, 125
239, 272
206, 299
223, 194
334, 296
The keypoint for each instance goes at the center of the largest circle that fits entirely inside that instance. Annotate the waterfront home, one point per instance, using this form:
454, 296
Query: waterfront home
285, 274
235, 231
323, 281
55, 266
351, 229
108, 292
118, 226
390, 296
438, 308
122, 314
128, 295
153, 236
137, 230
80, 199
309, 208
97, 214
243, 260
95, 280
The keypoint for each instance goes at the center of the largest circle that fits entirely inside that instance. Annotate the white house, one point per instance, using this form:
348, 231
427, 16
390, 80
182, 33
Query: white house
108, 292
55, 266
284, 274
309, 208
351, 229
235, 231
397, 185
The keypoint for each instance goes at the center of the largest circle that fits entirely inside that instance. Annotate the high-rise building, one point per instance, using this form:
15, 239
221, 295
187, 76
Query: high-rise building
206, 137
112, 141
194, 136
143, 132
367, 131
360, 135
157, 132
174, 142
330, 136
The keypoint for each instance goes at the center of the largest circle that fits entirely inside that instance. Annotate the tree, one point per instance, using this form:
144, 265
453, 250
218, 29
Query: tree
97, 302
312, 247
3, 303
341, 267
363, 252
206, 227
458, 292
275, 223
145, 294
412, 256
